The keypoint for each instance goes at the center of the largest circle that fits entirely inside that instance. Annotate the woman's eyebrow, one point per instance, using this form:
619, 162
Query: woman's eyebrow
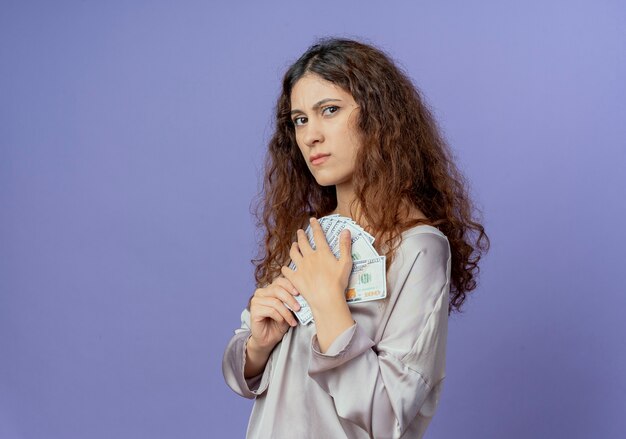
317, 105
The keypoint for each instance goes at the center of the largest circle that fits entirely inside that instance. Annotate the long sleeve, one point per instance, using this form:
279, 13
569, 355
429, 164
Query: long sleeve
382, 387
234, 360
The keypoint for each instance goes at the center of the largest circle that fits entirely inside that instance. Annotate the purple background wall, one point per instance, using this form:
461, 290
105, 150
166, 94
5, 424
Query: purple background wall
131, 141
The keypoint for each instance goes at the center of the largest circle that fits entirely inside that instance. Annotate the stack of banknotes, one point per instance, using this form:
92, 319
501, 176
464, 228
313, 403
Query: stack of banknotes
368, 277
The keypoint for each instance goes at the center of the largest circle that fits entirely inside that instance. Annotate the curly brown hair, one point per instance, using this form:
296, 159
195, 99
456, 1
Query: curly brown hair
403, 161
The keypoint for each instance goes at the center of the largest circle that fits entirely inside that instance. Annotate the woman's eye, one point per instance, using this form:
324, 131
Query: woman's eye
332, 106
295, 121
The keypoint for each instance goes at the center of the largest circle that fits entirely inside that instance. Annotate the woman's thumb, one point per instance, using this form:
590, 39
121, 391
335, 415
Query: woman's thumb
345, 245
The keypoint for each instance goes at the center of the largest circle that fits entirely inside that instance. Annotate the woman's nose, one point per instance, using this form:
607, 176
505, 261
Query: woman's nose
313, 133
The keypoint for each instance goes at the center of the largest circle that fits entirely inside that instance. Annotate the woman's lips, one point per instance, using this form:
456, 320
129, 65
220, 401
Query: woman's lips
319, 160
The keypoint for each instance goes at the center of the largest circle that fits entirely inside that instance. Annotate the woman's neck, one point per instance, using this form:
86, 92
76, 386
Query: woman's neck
345, 194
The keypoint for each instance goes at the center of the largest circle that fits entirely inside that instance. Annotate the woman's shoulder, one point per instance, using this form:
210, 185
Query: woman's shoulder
424, 252
417, 214
421, 229
425, 238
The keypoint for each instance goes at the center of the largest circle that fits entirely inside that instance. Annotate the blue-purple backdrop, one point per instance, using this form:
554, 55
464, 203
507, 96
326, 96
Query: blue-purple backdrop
131, 142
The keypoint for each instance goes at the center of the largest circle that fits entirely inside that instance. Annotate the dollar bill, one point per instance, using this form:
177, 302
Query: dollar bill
367, 280
368, 276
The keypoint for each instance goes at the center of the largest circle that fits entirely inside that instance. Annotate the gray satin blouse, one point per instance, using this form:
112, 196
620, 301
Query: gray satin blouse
380, 378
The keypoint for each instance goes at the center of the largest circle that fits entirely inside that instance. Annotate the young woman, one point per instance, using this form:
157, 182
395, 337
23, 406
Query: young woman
355, 138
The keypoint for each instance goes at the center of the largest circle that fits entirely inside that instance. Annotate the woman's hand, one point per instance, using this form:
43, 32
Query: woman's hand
320, 277
269, 317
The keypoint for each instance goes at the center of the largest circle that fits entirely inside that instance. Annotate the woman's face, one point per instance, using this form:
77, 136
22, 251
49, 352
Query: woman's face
324, 118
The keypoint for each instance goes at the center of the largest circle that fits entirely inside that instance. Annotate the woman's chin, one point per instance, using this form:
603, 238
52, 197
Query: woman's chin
325, 182
331, 180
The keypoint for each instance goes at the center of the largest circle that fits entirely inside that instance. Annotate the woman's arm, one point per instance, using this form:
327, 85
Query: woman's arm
256, 359
247, 359
382, 387
238, 372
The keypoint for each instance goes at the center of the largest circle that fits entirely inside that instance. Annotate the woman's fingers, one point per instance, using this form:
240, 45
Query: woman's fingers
287, 285
282, 289
303, 243
274, 309
284, 326
294, 253
319, 237
280, 293
262, 312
